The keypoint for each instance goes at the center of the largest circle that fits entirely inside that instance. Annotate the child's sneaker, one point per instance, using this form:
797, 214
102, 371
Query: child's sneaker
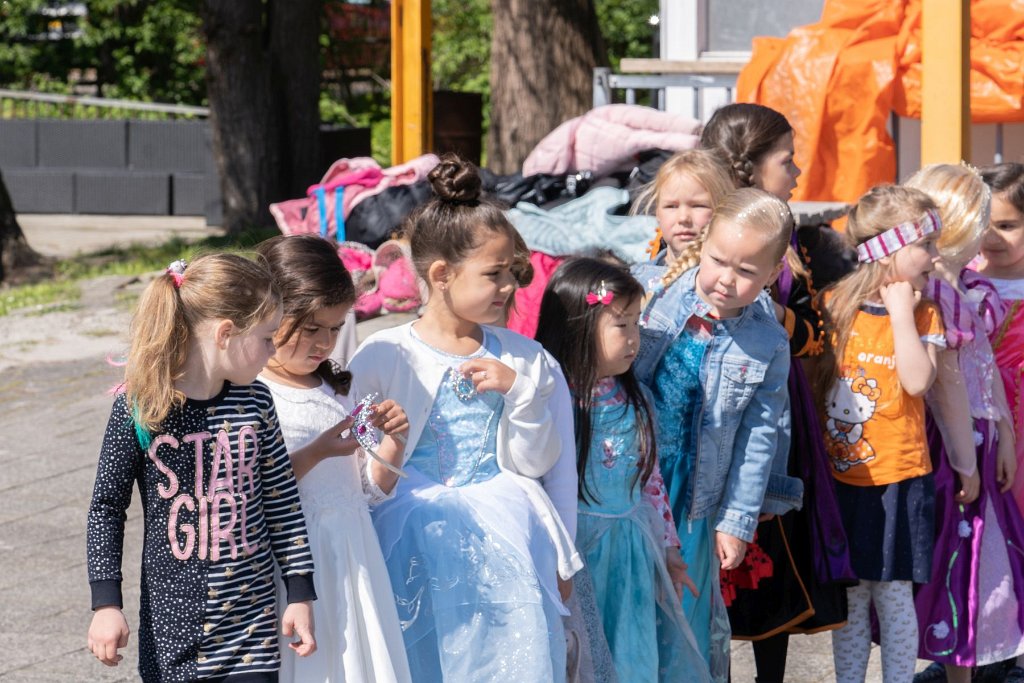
1014, 675
935, 673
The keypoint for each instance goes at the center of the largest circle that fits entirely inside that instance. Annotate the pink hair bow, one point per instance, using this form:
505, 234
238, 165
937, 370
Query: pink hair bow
602, 296
177, 272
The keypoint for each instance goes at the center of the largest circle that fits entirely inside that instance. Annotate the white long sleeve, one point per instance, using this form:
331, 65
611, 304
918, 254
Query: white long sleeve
561, 482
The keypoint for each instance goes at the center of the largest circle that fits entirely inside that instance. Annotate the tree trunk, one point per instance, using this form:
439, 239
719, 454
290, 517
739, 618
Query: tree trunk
15, 253
263, 90
295, 80
543, 53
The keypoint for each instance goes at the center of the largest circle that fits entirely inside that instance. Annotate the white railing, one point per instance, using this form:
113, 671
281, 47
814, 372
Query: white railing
657, 75
27, 104
715, 83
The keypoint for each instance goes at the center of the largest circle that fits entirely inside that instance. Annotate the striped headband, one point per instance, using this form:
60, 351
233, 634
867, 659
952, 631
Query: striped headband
894, 239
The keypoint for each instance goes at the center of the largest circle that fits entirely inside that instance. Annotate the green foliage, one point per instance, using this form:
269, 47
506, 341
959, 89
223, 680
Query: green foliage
152, 50
461, 45
148, 50
625, 25
461, 50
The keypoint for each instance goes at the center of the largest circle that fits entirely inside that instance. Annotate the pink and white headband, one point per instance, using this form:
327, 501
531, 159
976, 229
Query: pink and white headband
896, 238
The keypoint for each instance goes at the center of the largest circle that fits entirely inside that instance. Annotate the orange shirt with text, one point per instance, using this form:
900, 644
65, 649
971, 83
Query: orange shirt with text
874, 430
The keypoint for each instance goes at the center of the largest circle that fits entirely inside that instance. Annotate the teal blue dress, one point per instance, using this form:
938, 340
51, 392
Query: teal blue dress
678, 395
624, 554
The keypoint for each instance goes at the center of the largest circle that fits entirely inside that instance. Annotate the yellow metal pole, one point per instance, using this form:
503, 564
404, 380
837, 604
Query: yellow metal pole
412, 120
945, 81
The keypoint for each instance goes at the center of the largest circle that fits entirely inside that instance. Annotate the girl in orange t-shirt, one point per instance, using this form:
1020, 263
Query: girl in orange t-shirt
880, 359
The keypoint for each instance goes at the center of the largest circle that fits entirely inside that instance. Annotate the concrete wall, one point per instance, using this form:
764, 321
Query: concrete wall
129, 167
109, 167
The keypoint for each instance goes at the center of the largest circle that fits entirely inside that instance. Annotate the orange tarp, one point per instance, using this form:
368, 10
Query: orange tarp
837, 82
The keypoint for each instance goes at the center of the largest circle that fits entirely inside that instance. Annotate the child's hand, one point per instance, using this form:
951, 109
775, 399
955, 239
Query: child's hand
899, 298
564, 588
730, 550
1006, 461
677, 571
108, 632
488, 374
390, 418
331, 441
298, 620
969, 488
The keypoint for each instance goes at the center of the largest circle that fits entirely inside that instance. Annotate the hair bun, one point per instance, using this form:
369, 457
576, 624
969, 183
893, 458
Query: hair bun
455, 180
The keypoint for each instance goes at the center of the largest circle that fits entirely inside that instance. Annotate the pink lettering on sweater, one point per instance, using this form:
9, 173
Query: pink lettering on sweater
221, 459
188, 529
171, 488
225, 533
217, 509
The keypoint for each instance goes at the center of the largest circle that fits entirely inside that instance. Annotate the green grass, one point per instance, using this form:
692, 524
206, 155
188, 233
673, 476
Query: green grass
62, 292
42, 295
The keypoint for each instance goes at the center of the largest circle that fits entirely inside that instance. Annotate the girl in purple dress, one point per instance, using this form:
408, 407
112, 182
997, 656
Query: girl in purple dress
971, 613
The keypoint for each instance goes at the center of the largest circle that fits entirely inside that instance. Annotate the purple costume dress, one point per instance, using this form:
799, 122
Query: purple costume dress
971, 613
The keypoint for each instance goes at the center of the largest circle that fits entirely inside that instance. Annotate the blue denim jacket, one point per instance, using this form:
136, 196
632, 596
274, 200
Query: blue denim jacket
744, 420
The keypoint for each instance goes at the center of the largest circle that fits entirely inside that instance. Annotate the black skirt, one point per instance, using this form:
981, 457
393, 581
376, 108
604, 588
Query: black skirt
890, 528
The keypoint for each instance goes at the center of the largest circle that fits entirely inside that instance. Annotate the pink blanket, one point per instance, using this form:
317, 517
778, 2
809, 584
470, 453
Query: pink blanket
607, 138
360, 177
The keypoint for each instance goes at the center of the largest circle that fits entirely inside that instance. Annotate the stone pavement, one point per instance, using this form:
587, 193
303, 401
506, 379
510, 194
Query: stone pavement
52, 417
64, 235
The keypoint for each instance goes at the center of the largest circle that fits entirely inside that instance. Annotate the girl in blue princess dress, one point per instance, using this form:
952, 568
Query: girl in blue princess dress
589, 322
472, 543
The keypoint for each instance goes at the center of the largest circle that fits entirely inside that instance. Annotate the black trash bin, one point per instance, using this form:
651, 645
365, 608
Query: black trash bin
458, 123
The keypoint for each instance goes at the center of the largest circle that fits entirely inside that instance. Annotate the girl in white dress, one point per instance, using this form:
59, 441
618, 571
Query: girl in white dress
359, 637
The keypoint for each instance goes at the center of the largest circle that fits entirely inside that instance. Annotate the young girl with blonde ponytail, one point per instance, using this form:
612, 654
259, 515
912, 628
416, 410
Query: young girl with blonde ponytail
716, 361
883, 342
203, 444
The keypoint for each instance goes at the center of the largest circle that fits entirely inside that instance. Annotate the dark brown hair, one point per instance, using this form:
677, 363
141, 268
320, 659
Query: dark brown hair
457, 219
741, 134
567, 328
309, 273
1006, 178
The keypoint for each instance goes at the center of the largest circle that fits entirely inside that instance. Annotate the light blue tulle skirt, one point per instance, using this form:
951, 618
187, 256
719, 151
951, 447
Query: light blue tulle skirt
474, 577
647, 632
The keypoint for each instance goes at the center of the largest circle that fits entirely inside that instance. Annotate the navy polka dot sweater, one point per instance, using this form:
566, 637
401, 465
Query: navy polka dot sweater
220, 506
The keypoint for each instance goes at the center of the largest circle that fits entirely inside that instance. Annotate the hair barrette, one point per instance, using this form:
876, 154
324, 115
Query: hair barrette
365, 433
601, 296
177, 271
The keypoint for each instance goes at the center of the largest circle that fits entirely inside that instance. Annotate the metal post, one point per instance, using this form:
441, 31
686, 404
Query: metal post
945, 81
411, 93
602, 90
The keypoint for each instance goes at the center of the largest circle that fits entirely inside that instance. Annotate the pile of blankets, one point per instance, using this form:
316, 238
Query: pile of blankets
572, 197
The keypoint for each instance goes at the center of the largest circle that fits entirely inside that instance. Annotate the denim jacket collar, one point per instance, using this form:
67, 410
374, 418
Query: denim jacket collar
685, 290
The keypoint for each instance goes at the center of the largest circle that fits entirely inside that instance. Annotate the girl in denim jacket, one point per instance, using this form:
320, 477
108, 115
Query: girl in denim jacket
716, 361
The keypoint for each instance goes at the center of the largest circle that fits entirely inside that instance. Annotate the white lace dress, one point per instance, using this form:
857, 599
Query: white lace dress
357, 630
